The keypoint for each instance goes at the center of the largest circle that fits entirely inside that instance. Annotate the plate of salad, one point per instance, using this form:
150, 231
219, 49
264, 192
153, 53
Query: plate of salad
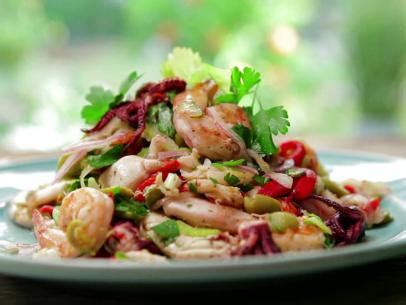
192, 178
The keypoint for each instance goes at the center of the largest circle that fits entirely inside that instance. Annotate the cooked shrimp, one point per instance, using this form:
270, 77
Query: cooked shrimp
129, 171
85, 215
221, 194
306, 237
50, 236
44, 195
202, 213
209, 132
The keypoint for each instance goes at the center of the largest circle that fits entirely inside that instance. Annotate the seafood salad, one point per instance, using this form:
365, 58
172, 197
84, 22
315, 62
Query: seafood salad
192, 167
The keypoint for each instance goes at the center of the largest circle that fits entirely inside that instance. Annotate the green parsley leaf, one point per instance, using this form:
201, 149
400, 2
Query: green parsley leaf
100, 100
278, 120
245, 187
160, 115
313, 219
242, 83
244, 133
124, 87
213, 180
329, 241
167, 230
120, 255
262, 132
192, 187
106, 159
128, 208
261, 180
230, 163
231, 179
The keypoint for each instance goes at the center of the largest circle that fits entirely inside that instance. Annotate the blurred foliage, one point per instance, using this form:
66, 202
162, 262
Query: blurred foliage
310, 54
377, 41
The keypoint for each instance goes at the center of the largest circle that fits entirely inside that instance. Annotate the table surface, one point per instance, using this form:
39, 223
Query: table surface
378, 283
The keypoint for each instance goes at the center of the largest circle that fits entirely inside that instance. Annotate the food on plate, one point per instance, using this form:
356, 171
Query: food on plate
190, 167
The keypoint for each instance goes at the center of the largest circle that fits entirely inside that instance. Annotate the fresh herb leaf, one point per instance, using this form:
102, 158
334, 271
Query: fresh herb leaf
160, 115
313, 219
329, 241
167, 230
128, 208
100, 100
262, 132
295, 172
106, 159
192, 187
73, 185
244, 133
242, 83
261, 180
55, 214
230, 163
213, 180
245, 187
120, 255
278, 120
187, 230
231, 179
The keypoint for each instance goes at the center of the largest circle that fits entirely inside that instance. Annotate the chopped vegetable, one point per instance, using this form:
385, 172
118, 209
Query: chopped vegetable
167, 231
119, 255
244, 133
192, 187
187, 230
282, 221
188, 65
160, 115
191, 109
313, 219
55, 213
261, 180
260, 204
107, 158
231, 179
292, 150
129, 208
152, 195
172, 181
334, 187
231, 163
46, 209
304, 186
273, 189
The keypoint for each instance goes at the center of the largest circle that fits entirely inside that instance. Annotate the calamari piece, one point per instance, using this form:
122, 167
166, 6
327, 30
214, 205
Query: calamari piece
45, 195
220, 194
202, 213
19, 212
86, 214
129, 172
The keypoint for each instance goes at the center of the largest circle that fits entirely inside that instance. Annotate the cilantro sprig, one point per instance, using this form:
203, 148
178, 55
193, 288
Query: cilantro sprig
107, 158
102, 100
242, 83
266, 123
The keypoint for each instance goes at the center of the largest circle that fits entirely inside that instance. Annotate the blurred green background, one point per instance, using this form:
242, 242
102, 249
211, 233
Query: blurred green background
339, 67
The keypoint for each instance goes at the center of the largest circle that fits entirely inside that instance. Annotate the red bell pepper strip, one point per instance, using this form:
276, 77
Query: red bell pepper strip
303, 187
46, 209
292, 150
350, 188
273, 189
372, 205
288, 206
